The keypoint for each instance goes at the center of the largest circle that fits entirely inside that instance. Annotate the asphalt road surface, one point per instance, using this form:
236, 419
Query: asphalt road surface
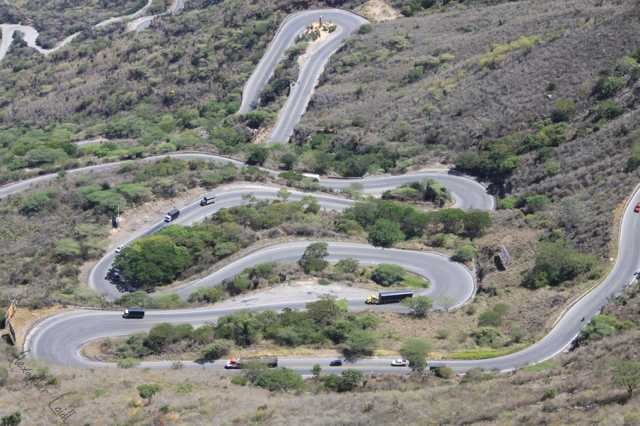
468, 193
58, 339
347, 23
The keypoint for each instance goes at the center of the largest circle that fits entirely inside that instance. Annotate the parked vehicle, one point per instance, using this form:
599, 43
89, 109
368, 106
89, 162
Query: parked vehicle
238, 363
119, 249
336, 363
133, 313
388, 297
172, 215
637, 208
207, 199
399, 363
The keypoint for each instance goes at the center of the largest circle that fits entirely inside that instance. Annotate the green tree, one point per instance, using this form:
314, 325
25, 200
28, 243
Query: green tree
487, 337
464, 254
288, 160
215, 350
106, 201
490, 318
359, 343
13, 419
313, 259
284, 194
324, 311
608, 86
607, 110
243, 328
316, 370
385, 233
386, 274
347, 266
347, 381
276, 379
633, 162
535, 203
475, 223
601, 326
147, 391
556, 263
626, 374
451, 220
206, 295
164, 334
152, 261
44, 155
67, 249
257, 156
37, 202
418, 305
563, 110
416, 352
444, 372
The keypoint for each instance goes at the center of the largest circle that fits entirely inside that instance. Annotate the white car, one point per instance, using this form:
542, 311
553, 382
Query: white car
399, 363
232, 364
119, 249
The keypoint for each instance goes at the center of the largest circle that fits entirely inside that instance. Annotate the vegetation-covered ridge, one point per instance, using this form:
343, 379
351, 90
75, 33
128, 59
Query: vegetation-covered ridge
384, 223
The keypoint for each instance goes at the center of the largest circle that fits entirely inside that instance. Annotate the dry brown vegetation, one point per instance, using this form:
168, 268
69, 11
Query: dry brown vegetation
464, 94
573, 388
44, 248
59, 18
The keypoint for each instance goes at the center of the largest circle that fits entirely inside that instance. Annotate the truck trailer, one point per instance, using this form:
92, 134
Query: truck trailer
388, 297
237, 363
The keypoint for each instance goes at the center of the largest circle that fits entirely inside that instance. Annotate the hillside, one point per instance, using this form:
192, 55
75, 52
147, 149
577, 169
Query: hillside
499, 146
58, 19
574, 388
447, 83
440, 83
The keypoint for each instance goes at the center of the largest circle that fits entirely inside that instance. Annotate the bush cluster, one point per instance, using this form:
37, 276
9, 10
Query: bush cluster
497, 159
556, 262
389, 222
325, 321
427, 190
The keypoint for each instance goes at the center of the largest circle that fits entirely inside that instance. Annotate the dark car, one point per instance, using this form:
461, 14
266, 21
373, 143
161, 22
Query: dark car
336, 363
207, 199
637, 208
133, 313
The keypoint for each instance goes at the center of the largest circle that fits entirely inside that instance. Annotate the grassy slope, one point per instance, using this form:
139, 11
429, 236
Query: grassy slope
460, 105
57, 19
483, 102
206, 52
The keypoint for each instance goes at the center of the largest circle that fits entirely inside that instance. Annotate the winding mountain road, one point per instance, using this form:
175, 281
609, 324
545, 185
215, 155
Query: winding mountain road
468, 193
59, 339
347, 23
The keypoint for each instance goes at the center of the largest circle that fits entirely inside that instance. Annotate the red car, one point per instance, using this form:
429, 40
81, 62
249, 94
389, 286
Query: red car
637, 208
